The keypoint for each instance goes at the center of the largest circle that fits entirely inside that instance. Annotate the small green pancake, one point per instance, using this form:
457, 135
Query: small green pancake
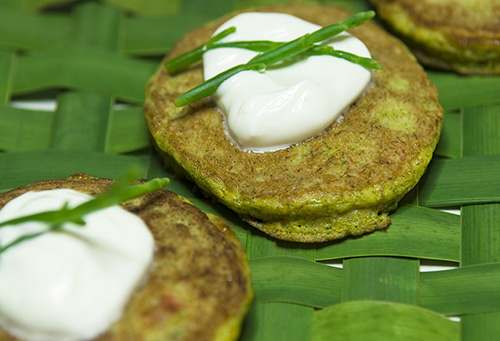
339, 183
199, 284
458, 35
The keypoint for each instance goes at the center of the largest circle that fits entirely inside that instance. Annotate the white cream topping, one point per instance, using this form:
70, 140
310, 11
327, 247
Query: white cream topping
283, 106
69, 285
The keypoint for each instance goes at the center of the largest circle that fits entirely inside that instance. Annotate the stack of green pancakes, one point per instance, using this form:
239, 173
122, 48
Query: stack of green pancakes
459, 35
342, 182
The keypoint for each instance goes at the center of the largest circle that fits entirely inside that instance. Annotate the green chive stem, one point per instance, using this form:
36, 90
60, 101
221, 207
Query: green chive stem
120, 192
275, 55
307, 41
208, 87
116, 195
186, 59
368, 63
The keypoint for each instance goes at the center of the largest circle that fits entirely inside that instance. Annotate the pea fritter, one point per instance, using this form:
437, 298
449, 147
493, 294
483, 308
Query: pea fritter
199, 284
458, 35
342, 182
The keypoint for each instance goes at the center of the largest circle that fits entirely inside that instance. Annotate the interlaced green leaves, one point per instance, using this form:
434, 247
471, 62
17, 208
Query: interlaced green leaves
468, 290
454, 182
287, 288
296, 280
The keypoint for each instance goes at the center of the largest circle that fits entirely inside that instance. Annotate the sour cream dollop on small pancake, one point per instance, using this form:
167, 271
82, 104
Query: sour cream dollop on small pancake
282, 106
71, 284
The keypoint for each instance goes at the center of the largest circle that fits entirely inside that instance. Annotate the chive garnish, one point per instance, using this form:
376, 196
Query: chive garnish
181, 63
118, 193
272, 53
186, 59
368, 63
307, 41
208, 87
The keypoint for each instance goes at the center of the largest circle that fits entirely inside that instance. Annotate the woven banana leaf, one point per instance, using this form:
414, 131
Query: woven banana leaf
94, 57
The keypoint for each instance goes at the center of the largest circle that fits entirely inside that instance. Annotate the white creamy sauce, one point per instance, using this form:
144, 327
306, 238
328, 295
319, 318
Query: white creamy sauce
74, 284
283, 106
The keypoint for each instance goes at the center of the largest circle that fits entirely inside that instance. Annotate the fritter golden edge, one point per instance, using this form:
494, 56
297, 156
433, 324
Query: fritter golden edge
463, 36
369, 161
322, 229
199, 285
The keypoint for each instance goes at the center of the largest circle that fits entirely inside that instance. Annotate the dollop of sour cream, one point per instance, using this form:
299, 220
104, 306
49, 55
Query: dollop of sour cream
283, 106
73, 284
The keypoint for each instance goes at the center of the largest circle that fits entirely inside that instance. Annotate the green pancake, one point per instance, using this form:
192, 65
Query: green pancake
199, 285
339, 183
458, 35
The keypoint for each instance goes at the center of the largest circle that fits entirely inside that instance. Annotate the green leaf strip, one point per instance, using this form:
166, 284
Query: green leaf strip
467, 290
381, 321
454, 182
295, 280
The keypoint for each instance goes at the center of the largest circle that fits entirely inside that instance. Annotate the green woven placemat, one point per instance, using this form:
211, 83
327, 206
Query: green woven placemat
94, 58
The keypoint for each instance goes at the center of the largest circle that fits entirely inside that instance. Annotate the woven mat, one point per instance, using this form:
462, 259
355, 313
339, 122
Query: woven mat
94, 58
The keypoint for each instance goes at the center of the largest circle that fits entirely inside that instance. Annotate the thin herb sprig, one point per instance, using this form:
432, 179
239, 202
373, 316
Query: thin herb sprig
307, 41
327, 50
186, 59
182, 63
118, 193
280, 52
